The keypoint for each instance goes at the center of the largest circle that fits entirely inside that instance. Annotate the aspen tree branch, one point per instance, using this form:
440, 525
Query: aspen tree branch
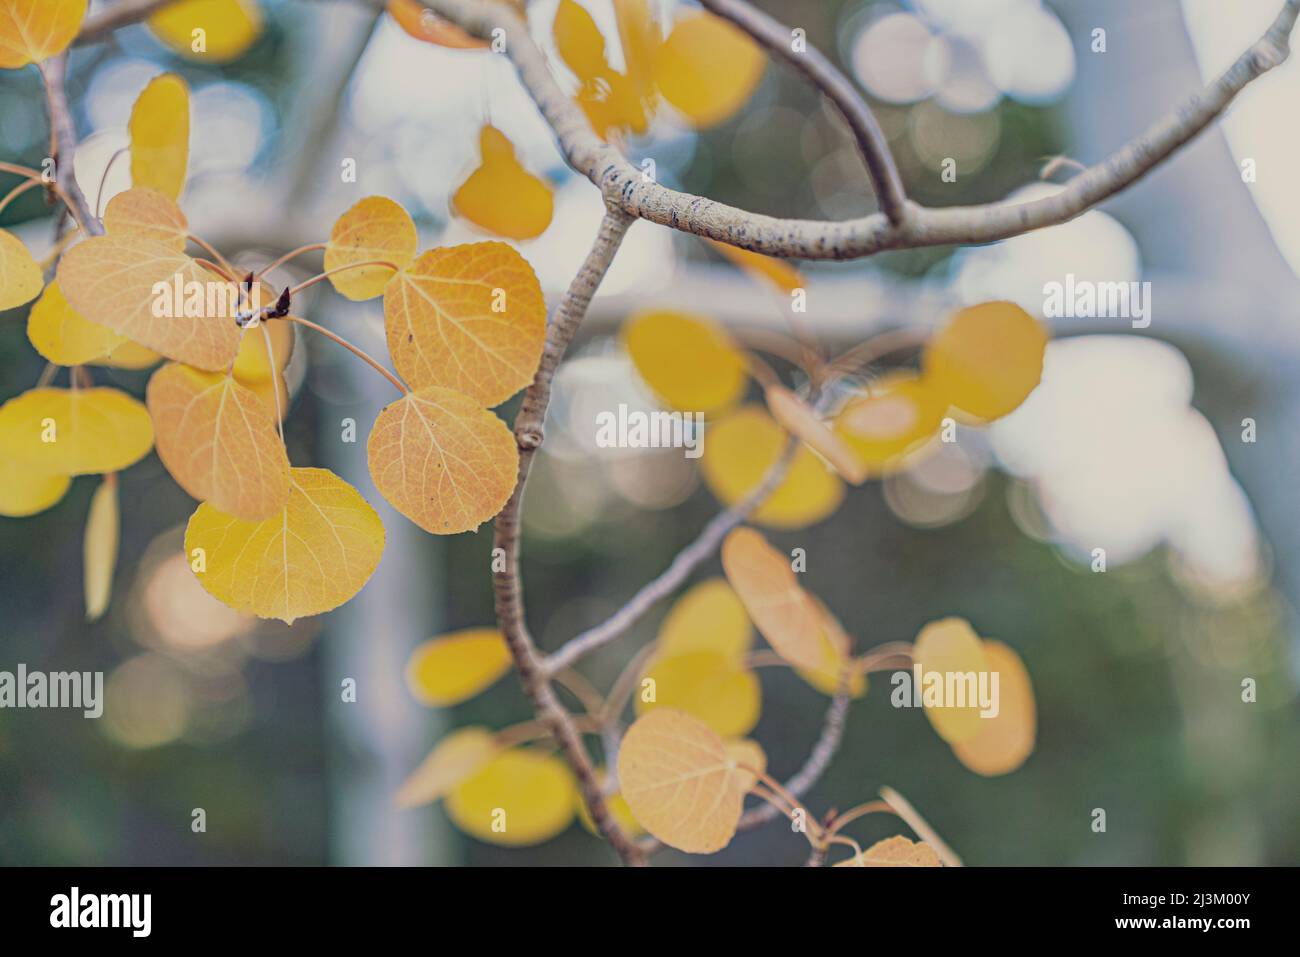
63, 135
624, 187
507, 584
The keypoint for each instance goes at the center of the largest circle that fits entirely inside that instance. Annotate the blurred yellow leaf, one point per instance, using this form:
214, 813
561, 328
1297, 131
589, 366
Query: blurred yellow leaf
746, 754
834, 651
32, 31
986, 360
778, 272
895, 851
61, 335
252, 365
422, 23
457, 756
618, 809
160, 136
579, 41
520, 797
501, 196
712, 687
708, 617
20, 275
147, 214
1003, 741
75, 431
689, 361
128, 355
708, 68
376, 229
99, 550
312, 557
888, 426
24, 491
214, 31
680, 782
741, 448
469, 318
218, 441
454, 667
442, 460
154, 295
949, 649
794, 415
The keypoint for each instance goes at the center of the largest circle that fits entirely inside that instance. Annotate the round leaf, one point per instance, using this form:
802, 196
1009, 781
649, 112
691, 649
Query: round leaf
32, 31
518, 798
147, 214
60, 334
20, 274
690, 362
160, 138
454, 667
229, 28
709, 686
987, 360
458, 756
949, 649
375, 229
1003, 741
24, 491
709, 617
895, 851
75, 431
899, 416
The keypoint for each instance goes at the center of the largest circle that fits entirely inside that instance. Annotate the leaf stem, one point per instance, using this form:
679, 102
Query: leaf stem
355, 350
213, 252
292, 254
18, 191
320, 277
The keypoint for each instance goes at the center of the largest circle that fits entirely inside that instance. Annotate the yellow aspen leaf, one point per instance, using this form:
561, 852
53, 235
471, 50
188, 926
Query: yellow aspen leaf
1005, 740
376, 229
419, 21
897, 851
834, 651
690, 362
742, 448
618, 808
950, 658
442, 460
32, 31
129, 355
147, 214
501, 196
99, 550
218, 441
680, 781
709, 617
778, 272
252, 364
579, 41
154, 295
160, 136
794, 415
60, 334
75, 431
986, 360
229, 27
747, 754
469, 318
20, 274
786, 615
458, 756
312, 557
720, 692
273, 393
707, 68
520, 797
454, 667
24, 491
887, 428
641, 36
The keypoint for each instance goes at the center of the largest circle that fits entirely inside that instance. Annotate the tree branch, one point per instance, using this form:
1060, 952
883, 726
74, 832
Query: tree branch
63, 134
624, 187
835, 86
507, 585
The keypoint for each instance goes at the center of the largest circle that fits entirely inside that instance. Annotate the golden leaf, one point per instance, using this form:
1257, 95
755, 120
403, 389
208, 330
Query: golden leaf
458, 756
986, 360
708, 68
519, 797
229, 27
950, 649
75, 431
747, 754
60, 334
24, 491
501, 196
794, 415
32, 31
160, 137
218, 441
312, 557
708, 617
454, 667
469, 318
20, 275
887, 428
146, 213
99, 550
1003, 741
375, 229
718, 690
897, 851
578, 41
778, 272
419, 21
690, 362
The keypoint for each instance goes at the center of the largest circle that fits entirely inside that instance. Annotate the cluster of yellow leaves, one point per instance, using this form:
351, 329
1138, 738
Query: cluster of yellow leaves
705, 68
987, 745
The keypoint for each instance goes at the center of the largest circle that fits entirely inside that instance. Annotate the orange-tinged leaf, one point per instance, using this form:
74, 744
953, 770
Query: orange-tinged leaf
887, 428
442, 460
423, 24
951, 652
160, 136
520, 797
452, 668
99, 549
312, 557
1005, 740
741, 449
708, 68
712, 687
986, 360
218, 441
469, 318
579, 41
895, 851
376, 229
75, 431
689, 361
799, 420
778, 272
680, 782
458, 756
709, 617
834, 650
131, 285
786, 615
20, 275
146, 213
229, 28
60, 334
32, 31
501, 196
24, 491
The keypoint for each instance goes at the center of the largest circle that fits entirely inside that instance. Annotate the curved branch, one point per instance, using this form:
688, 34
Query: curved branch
624, 187
63, 134
98, 26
